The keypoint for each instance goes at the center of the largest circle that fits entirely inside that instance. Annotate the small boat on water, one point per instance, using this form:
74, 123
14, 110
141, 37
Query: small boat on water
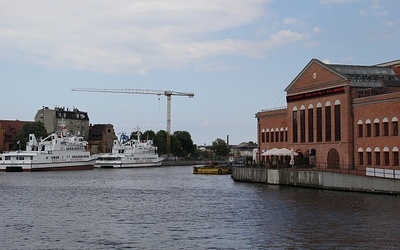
212, 169
131, 154
58, 151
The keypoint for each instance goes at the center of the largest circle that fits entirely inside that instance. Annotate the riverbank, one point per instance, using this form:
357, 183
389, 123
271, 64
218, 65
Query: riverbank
317, 179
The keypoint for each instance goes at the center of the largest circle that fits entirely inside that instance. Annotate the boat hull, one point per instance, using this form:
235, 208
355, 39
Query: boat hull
46, 166
120, 164
212, 170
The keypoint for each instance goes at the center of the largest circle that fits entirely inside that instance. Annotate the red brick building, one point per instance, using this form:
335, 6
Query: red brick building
8, 131
338, 116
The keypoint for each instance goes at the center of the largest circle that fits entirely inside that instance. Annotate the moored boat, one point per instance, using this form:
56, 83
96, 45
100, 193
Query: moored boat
134, 153
58, 151
212, 169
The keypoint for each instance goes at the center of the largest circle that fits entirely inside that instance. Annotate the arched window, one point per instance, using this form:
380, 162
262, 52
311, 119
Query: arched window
360, 128
319, 122
310, 123
377, 152
328, 121
267, 135
360, 156
302, 123
385, 123
337, 115
263, 135
368, 128
295, 125
376, 127
395, 126
386, 156
395, 152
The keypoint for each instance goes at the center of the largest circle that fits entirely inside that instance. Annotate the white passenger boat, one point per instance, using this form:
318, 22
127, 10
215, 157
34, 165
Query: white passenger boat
130, 154
58, 151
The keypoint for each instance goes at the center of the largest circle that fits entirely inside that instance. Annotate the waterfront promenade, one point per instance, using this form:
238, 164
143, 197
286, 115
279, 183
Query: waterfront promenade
313, 178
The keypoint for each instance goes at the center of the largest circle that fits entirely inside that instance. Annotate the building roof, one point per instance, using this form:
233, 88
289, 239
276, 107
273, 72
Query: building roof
361, 76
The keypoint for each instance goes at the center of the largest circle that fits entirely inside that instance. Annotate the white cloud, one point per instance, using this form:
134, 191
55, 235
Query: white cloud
131, 36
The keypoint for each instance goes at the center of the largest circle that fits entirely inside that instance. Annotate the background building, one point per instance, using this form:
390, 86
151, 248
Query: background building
8, 131
101, 138
75, 121
338, 116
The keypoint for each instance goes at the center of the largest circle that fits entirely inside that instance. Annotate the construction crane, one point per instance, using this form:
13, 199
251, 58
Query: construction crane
166, 93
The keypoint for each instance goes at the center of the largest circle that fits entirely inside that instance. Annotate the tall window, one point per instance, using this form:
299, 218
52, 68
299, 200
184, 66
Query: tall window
385, 127
302, 125
267, 136
395, 127
376, 128
337, 123
360, 129
310, 124
377, 158
369, 158
368, 128
277, 135
272, 135
319, 124
286, 135
281, 136
262, 136
295, 125
386, 158
360, 158
396, 158
328, 127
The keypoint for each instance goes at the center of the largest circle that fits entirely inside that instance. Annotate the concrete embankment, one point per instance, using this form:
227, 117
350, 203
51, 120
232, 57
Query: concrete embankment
317, 179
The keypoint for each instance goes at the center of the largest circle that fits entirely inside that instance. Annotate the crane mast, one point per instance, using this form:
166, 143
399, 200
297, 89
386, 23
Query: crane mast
166, 93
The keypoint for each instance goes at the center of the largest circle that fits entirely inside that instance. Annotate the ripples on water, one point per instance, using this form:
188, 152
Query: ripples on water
170, 208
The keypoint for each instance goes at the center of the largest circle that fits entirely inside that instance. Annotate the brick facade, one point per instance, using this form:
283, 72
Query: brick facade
324, 104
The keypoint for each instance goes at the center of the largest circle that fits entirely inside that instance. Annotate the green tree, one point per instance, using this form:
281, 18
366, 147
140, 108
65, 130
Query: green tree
36, 128
184, 143
220, 148
160, 141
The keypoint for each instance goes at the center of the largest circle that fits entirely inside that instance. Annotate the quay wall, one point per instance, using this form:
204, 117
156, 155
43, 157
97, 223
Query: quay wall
317, 179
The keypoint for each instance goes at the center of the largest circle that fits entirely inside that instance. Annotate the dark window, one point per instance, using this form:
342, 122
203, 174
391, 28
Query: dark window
302, 125
368, 127
328, 127
337, 123
281, 137
272, 136
395, 128
319, 124
386, 158
395, 158
262, 137
385, 129
295, 124
377, 158
361, 158
310, 125
360, 130
277, 136
286, 135
377, 128
369, 158
266, 136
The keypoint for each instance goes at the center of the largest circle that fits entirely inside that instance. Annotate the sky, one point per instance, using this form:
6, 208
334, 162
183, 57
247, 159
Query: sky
237, 57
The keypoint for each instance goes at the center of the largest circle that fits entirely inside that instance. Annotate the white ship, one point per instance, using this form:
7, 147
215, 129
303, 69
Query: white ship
58, 151
130, 154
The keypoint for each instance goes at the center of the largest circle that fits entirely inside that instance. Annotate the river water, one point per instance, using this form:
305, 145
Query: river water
170, 208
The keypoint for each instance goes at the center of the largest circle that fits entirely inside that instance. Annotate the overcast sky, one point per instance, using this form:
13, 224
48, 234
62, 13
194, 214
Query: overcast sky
236, 56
